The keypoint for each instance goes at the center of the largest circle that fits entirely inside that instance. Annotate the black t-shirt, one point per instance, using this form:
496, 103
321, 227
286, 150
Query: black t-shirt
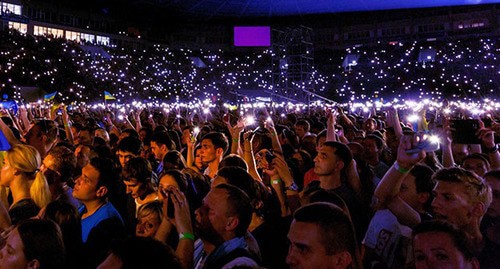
23, 210
272, 239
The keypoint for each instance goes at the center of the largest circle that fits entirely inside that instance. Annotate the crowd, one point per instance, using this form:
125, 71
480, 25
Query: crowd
330, 188
212, 185
459, 68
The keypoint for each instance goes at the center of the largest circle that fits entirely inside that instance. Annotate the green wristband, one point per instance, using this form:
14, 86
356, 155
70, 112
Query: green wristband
401, 169
189, 236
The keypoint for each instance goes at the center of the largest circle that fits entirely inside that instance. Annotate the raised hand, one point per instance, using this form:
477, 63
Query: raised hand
406, 160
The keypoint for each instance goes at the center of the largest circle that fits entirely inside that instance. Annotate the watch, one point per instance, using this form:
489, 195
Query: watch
292, 187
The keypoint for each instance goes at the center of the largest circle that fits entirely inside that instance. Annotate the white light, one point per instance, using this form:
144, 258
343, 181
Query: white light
249, 120
434, 139
413, 118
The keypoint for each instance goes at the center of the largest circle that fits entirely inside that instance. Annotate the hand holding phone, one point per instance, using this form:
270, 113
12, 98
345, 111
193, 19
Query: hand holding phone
427, 143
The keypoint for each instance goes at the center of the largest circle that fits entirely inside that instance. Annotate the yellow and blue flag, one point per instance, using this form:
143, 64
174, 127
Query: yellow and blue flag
108, 96
50, 96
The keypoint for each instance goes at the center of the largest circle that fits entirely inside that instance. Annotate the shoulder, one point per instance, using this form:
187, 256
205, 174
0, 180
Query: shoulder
239, 262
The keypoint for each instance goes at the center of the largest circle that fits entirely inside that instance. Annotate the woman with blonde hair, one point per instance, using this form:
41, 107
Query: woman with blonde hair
21, 173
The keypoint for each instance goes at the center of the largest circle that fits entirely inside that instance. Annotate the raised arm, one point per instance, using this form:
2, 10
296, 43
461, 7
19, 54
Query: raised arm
235, 132
386, 193
447, 151
249, 157
67, 124
330, 126
269, 124
487, 137
184, 225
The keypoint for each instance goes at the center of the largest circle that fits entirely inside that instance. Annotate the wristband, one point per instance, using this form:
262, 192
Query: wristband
400, 169
275, 181
189, 236
235, 140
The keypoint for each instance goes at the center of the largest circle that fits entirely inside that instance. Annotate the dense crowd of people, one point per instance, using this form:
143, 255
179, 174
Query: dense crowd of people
326, 188
211, 185
460, 68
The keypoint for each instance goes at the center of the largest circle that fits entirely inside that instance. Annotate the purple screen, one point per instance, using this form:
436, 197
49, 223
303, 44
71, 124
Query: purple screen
252, 36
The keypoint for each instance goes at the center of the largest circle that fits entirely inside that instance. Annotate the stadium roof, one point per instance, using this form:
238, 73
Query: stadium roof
273, 8
205, 10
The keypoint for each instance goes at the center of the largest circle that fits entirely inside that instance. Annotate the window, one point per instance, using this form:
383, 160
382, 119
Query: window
47, 31
21, 27
102, 40
8, 8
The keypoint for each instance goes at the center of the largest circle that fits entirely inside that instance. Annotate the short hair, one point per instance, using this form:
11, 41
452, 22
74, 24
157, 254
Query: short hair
163, 138
130, 144
329, 196
305, 124
139, 169
42, 240
423, 178
477, 156
188, 127
320, 135
89, 129
108, 173
218, 139
475, 187
144, 252
131, 132
64, 161
240, 178
335, 227
153, 207
49, 128
239, 205
233, 160
341, 151
459, 237
378, 140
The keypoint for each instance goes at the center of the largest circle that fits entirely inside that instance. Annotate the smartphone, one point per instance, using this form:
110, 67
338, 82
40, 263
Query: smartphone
465, 131
427, 144
269, 157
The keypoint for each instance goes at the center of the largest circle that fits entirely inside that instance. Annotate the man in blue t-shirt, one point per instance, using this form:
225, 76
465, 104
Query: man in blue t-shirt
101, 222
